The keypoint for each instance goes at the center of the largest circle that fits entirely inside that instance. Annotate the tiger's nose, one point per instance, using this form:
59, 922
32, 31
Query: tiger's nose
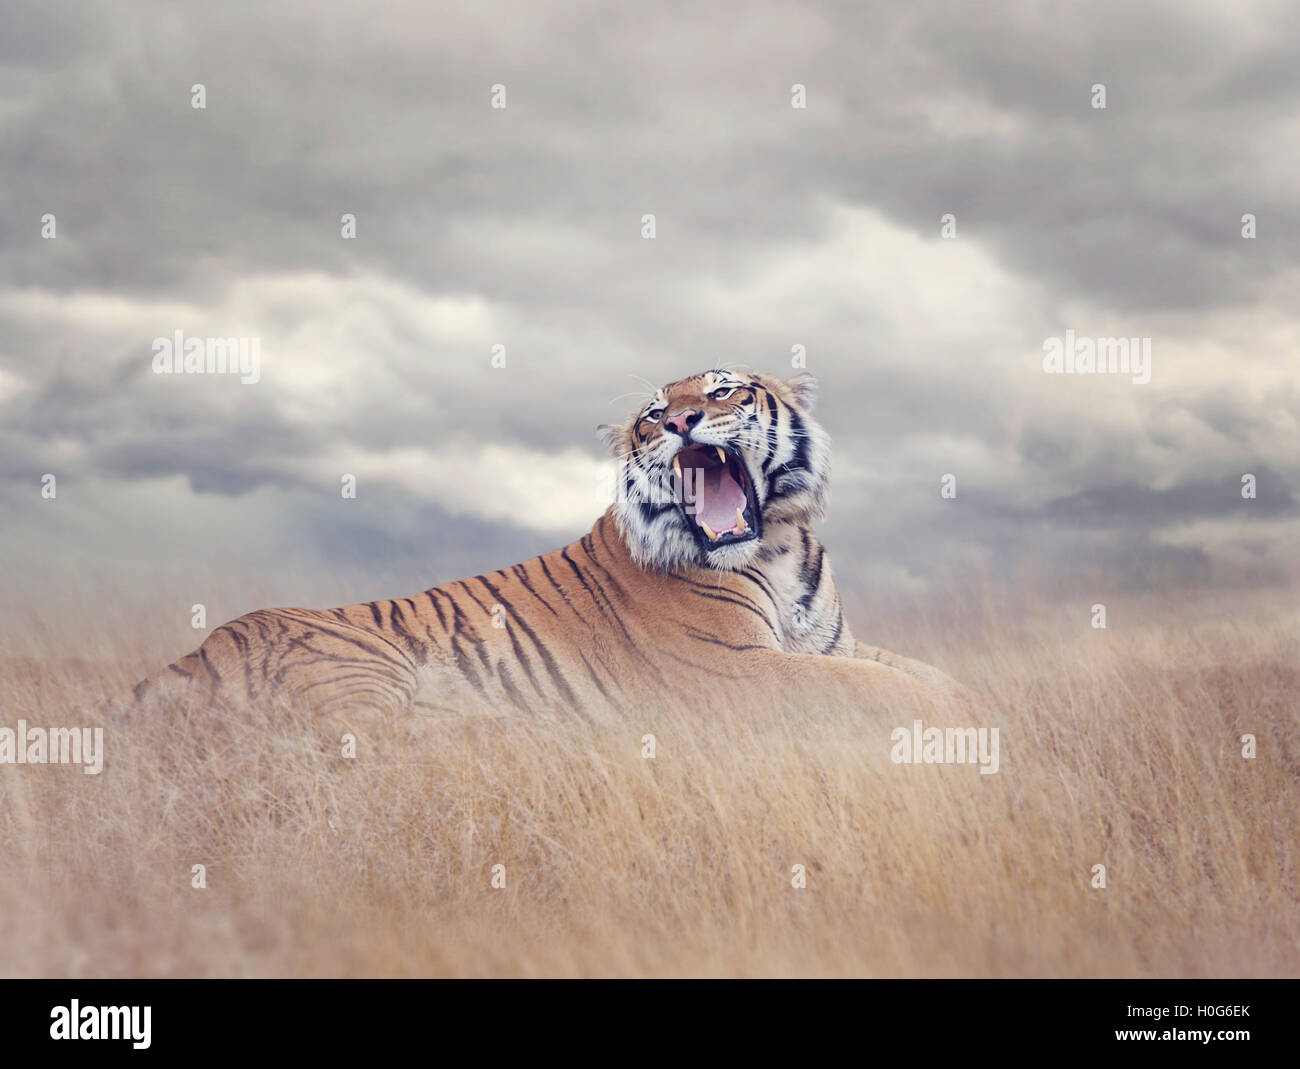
682, 422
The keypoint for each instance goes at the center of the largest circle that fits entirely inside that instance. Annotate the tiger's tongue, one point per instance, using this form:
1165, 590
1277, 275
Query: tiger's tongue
718, 496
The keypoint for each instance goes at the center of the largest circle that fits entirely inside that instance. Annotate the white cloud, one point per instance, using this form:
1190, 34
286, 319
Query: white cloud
553, 492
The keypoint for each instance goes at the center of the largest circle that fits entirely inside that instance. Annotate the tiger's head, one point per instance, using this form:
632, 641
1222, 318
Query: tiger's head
712, 462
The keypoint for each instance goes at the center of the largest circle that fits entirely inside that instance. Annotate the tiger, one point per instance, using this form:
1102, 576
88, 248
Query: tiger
703, 576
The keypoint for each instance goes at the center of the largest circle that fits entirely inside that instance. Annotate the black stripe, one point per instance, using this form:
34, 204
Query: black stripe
371, 667
797, 463
436, 608
708, 590
370, 661
610, 578
464, 627
612, 613
810, 577
521, 573
368, 691
418, 650
839, 628
582, 580
511, 615
318, 624
600, 530
212, 670
756, 577
466, 666
773, 427
361, 673
241, 646
584, 576
816, 582
649, 511
735, 601
701, 636
594, 678
559, 589
799, 433
464, 586
547, 659
512, 692
710, 669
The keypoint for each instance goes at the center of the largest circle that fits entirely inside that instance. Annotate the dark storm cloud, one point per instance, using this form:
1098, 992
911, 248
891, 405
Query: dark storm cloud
535, 211
313, 112
1136, 506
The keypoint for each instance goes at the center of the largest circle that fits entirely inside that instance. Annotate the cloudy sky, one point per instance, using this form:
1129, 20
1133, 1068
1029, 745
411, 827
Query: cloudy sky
775, 226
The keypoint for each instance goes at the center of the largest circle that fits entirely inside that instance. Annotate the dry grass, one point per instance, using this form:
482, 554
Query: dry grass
1118, 747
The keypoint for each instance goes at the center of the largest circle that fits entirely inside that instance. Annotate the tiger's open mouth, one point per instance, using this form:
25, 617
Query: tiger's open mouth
716, 495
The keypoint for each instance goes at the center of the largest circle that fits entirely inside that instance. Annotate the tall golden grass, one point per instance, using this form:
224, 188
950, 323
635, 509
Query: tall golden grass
1119, 748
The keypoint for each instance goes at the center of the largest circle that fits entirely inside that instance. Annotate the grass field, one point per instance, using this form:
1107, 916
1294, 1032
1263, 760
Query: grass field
1119, 748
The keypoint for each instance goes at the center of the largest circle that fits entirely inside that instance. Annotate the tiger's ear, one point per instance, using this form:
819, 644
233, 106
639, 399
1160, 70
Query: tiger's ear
614, 439
803, 388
